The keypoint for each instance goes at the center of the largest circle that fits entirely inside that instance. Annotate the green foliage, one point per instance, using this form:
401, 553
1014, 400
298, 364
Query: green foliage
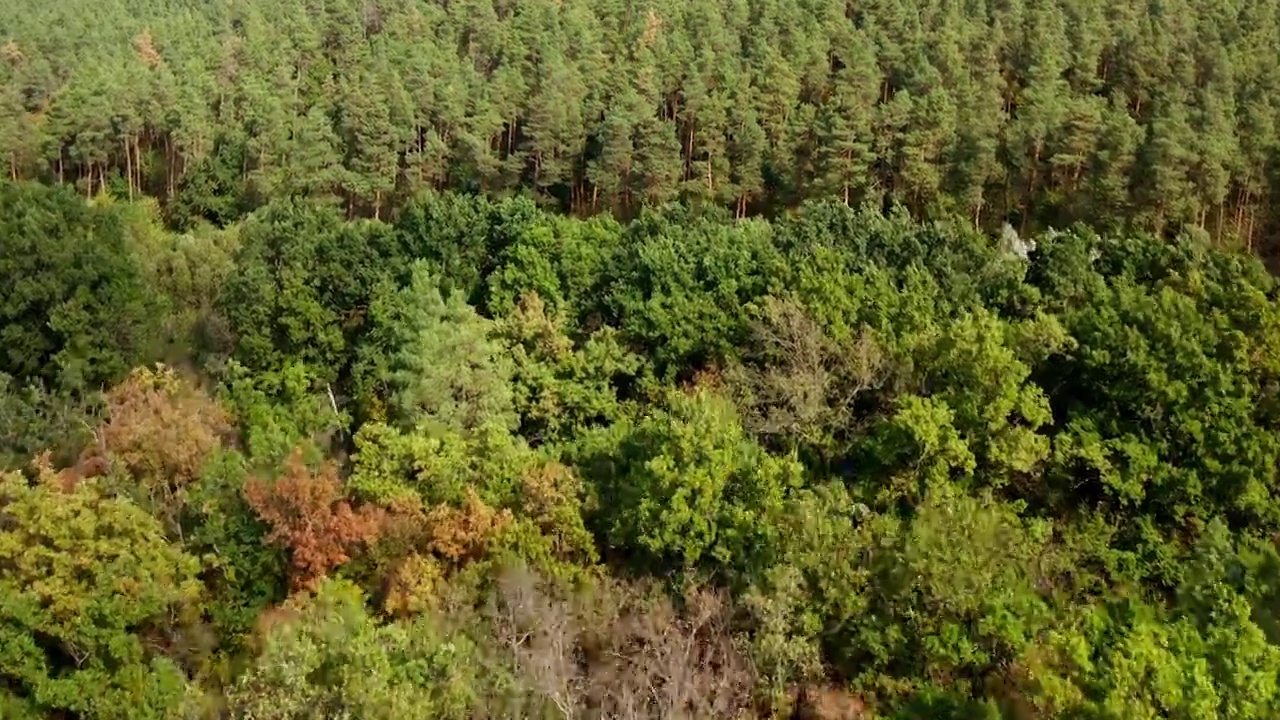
561, 388
90, 585
564, 261
438, 467
34, 419
1165, 399
958, 595
243, 575
904, 460
686, 486
816, 586
438, 360
921, 442
971, 367
1129, 661
276, 411
680, 288
454, 233
213, 188
303, 284
274, 301
329, 655
190, 269
1039, 113
74, 309
951, 595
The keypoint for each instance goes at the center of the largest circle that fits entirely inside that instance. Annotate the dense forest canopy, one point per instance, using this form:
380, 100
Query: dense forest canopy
1133, 113
401, 359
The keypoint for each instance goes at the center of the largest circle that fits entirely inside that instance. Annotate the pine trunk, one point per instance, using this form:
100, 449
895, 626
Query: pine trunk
128, 167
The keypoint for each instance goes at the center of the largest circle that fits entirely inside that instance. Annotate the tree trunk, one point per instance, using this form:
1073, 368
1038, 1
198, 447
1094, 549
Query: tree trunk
168, 166
1239, 214
137, 164
1253, 216
1032, 182
688, 157
128, 167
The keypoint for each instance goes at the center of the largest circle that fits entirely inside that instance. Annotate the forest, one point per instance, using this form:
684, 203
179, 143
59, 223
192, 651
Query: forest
1152, 115
462, 359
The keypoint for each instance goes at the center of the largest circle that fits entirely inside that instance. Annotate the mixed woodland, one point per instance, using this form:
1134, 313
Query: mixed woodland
454, 359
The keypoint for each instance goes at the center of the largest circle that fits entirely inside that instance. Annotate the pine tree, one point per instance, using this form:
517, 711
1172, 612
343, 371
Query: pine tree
612, 172
845, 136
371, 135
1165, 189
1041, 108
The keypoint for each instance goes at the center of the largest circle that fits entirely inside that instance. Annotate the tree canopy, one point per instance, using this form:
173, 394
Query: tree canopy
1035, 112
665, 359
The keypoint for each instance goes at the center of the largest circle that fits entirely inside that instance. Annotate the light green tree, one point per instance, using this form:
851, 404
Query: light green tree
89, 585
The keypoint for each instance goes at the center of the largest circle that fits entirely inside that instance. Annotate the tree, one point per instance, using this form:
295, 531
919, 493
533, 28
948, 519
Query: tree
614, 171
845, 134
685, 487
1150, 665
274, 303
75, 310
1041, 107
996, 407
617, 647
160, 430
91, 603
1167, 192
277, 412
309, 515
963, 583
437, 358
561, 388
459, 502
372, 135
302, 159
1176, 433
798, 387
454, 233
679, 288
35, 420
324, 653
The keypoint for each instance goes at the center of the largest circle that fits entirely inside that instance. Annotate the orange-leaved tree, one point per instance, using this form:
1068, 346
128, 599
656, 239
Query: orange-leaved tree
161, 429
310, 516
